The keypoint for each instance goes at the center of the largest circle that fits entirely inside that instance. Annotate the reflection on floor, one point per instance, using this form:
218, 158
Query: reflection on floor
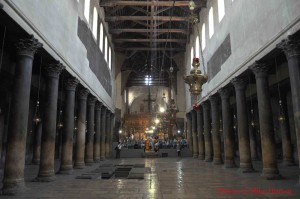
165, 178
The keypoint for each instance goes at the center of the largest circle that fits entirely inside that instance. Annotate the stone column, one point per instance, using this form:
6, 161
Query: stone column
200, 131
270, 170
89, 149
66, 166
103, 134
216, 137
287, 151
46, 170
240, 85
97, 131
228, 132
252, 135
189, 131
37, 143
207, 133
81, 129
13, 180
291, 48
108, 134
194, 134
112, 119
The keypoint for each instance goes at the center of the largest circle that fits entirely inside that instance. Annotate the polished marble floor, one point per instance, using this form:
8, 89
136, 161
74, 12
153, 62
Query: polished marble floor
166, 178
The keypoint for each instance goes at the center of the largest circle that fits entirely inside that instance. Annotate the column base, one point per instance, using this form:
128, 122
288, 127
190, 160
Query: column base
79, 165
14, 187
65, 169
195, 155
45, 179
229, 164
208, 159
201, 157
246, 168
102, 158
217, 161
254, 159
97, 160
271, 174
288, 162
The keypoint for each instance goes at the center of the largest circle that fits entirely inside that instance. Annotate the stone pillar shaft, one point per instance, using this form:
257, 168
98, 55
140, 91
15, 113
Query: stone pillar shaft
89, 149
270, 170
291, 48
97, 132
216, 137
240, 85
108, 134
194, 134
46, 170
228, 132
189, 131
200, 131
81, 129
207, 133
103, 134
13, 180
37, 143
66, 166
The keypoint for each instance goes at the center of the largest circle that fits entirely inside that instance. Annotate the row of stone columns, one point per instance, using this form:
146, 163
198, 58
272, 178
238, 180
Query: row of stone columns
211, 147
91, 145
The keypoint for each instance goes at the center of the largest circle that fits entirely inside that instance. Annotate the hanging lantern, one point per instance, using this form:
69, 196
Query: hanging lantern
37, 118
195, 80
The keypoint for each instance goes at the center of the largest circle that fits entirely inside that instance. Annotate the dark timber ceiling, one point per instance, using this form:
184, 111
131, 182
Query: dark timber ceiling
149, 33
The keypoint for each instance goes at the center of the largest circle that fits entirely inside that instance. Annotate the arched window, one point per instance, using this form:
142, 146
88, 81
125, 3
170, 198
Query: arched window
221, 9
203, 43
95, 22
109, 58
101, 38
87, 10
192, 56
106, 49
211, 22
197, 47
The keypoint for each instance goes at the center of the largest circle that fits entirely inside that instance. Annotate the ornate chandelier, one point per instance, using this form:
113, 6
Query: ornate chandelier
196, 79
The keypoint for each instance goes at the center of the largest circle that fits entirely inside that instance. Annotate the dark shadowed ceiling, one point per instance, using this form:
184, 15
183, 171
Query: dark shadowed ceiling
149, 33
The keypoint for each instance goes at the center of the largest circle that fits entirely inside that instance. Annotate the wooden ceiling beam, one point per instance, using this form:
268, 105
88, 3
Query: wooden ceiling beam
139, 30
112, 3
148, 49
149, 40
145, 18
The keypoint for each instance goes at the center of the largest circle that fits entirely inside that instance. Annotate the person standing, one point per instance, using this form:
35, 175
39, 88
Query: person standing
178, 147
118, 150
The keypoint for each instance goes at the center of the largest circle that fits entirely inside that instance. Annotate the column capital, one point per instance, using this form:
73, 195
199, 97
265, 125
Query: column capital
54, 70
260, 70
71, 83
188, 115
239, 83
214, 100
205, 105
98, 106
108, 113
28, 47
290, 46
224, 92
103, 110
83, 93
92, 100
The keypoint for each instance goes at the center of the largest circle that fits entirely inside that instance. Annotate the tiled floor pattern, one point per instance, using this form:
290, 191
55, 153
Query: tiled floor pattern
168, 178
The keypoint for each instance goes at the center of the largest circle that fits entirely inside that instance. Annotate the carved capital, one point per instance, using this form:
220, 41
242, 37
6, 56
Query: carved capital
224, 92
260, 70
71, 83
92, 100
205, 106
214, 100
103, 111
54, 70
290, 47
98, 106
28, 47
83, 93
108, 113
239, 83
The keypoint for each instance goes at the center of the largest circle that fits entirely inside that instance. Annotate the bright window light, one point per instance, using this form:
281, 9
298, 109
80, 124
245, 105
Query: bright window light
87, 10
203, 37
109, 58
148, 80
95, 23
221, 9
106, 49
192, 56
197, 48
211, 22
101, 37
